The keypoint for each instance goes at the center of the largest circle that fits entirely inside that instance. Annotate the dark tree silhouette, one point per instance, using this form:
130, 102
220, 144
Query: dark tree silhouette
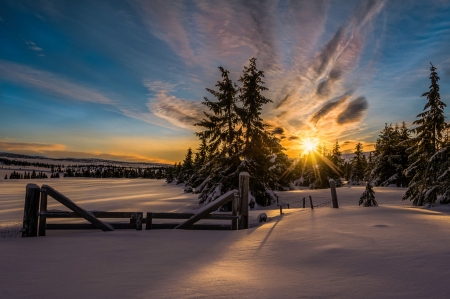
428, 140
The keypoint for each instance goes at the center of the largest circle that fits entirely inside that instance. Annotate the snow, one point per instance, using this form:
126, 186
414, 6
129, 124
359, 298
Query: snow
389, 251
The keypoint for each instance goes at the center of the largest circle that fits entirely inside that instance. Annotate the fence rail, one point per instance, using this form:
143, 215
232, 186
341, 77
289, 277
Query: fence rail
36, 213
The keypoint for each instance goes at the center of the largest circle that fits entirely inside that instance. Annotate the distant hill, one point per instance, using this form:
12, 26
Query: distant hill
82, 161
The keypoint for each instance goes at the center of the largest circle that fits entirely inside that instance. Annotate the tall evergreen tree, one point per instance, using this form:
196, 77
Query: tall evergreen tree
237, 139
427, 141
390, 158
358, 165
336, 156
259, 145
187, 168
201, 165
222, 141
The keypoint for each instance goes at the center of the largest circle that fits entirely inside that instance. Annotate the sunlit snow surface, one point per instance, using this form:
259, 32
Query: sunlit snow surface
390, 251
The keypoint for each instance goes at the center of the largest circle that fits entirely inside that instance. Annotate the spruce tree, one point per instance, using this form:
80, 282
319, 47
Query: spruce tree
201, 166
187, 169
259, 145
387, 158
221, 141
170, 176
403, 162
336, 156
427, 141
367, 199
237, 139
358, 165
440, 162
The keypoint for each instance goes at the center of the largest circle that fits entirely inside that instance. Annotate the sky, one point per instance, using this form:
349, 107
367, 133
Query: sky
125, 80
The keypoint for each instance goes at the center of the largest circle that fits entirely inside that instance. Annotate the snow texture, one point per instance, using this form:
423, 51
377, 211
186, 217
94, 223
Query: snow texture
393, 251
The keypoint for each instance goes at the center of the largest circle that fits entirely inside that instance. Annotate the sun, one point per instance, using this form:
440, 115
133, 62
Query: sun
309, 145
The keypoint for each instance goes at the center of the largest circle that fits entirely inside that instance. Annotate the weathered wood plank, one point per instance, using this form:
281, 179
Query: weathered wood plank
97, 214
193, 227
172, 215
244, 178
212, 206
42, 210
234, 211
139, 216
30, 211
334, 194
148, 221
82, 226
72, 206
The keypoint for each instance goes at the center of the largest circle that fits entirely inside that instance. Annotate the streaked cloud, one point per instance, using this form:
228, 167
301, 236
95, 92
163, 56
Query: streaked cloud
179, 112
31, 146
332, 67
32, 46
327, 108
354, 111
51, 83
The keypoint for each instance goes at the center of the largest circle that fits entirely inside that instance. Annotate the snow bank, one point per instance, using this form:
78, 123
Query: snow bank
390, 251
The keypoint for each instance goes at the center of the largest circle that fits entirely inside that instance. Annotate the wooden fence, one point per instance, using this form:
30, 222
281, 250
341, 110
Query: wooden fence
36, 213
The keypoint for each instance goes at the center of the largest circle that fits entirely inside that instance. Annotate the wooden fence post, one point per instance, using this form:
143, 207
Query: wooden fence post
42, 212
30, 211
310, 201
333, 194
148, 223
139, 216
304, 202
243, 199
234, 208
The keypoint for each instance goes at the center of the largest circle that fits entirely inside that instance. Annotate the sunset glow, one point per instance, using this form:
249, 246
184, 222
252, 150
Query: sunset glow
309, 145
340, 69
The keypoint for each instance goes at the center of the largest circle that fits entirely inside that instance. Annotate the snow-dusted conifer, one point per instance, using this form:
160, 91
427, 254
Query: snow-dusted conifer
367, 199
259, 145
427, 141
187, 168
336, 156
221, 136
170, 177
390, 159
358, 165
237, 139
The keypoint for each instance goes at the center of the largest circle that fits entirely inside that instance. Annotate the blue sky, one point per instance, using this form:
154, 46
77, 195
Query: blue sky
125, 79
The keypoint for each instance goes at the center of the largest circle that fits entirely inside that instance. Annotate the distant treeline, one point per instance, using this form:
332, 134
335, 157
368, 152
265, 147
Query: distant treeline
30, 175
9, 162
116, 172
95, 171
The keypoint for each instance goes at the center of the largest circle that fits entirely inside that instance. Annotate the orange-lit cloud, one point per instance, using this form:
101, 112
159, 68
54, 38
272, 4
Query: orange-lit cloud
33, 147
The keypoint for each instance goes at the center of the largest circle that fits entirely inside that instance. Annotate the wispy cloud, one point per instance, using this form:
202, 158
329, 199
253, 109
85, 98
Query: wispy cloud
285, 38
179, 112
57, 85
354, 111
30, 146
50, 83
32, 46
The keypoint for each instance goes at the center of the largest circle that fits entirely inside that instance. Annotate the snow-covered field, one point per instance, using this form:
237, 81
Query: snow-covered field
390, 251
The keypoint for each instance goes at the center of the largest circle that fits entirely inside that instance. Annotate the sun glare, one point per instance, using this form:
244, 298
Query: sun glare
309, 145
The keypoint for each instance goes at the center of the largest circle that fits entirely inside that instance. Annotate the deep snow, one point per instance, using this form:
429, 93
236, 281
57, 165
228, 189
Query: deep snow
390, 251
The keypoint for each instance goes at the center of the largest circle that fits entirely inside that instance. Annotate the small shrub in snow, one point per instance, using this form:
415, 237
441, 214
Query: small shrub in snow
367, 199
262, 217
